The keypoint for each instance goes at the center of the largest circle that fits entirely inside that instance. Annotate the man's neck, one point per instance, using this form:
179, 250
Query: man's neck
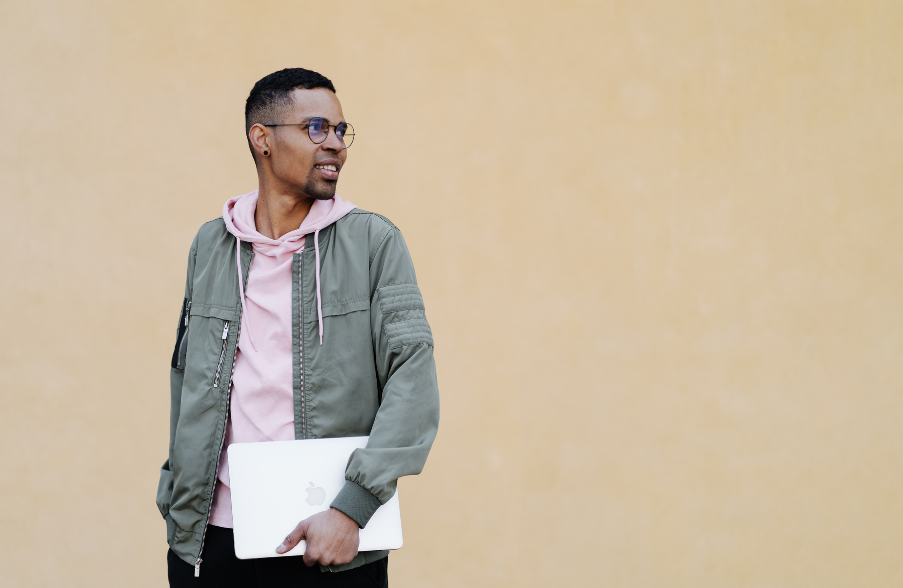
279, 212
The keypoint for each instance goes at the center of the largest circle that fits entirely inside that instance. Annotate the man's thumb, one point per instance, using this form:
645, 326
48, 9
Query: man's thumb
292, 539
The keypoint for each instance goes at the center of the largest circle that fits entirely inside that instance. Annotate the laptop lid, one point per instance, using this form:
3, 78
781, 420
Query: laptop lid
277, 484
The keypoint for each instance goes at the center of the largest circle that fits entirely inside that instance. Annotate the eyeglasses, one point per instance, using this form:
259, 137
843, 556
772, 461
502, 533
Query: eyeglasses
318, 130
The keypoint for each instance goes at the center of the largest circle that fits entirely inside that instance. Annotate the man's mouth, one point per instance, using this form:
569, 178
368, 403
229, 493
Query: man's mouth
328, 171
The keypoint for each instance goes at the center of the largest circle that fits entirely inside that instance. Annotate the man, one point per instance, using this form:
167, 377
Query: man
302, 319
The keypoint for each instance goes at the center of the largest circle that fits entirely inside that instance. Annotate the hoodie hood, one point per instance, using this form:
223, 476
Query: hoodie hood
238, 214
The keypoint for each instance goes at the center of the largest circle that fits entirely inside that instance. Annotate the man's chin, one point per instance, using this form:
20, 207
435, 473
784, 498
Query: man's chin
321, 190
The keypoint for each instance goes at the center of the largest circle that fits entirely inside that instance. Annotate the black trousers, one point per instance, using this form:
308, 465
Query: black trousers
221, 569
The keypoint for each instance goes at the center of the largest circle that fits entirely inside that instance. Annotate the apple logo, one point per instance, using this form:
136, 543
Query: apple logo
315, 496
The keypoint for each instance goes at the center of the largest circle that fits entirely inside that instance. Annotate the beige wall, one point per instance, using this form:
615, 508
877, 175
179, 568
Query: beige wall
660, 245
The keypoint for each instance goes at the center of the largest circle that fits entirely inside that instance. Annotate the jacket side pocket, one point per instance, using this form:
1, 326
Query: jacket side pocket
222, 355
178, 354
170, 529
164, 489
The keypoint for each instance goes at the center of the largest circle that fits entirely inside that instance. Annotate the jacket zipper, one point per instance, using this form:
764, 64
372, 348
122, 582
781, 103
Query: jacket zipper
222, 356
301, 336
197, 564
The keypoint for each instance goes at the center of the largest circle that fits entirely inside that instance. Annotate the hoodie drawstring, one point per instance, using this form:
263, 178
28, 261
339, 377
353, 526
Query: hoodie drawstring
239, 215
319, 305
241, 290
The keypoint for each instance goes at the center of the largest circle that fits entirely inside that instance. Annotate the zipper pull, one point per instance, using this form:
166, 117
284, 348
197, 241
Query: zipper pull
226, 331
187, 310
197, 568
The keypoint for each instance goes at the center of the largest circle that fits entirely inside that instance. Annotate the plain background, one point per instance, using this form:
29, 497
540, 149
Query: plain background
659, 242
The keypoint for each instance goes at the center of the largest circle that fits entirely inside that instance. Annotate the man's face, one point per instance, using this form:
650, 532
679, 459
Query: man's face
299, 162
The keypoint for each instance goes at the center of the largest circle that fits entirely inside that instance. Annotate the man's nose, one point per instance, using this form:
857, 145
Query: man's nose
332, 142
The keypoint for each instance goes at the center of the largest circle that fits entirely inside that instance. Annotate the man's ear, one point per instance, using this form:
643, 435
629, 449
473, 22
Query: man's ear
259, 136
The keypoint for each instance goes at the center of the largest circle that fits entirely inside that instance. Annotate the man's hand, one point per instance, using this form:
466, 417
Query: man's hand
332, 538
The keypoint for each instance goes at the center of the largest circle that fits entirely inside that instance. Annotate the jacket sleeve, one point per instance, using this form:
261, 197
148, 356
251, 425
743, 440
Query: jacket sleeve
408, 417
177, 373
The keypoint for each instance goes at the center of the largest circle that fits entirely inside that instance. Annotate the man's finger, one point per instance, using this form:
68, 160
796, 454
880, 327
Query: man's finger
310, 556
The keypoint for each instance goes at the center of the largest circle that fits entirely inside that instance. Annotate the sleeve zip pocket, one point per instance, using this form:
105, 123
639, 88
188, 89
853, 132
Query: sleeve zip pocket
222, 356
178, 354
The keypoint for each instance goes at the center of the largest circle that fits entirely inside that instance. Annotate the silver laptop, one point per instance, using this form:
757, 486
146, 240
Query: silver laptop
278, 484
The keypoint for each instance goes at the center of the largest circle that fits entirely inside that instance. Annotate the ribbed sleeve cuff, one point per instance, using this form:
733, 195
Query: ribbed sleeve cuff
356, 502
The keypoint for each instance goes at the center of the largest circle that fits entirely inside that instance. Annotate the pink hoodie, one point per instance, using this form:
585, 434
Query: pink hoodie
262, 402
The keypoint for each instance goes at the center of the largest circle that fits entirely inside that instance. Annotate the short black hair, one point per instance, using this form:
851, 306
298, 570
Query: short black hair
272, 94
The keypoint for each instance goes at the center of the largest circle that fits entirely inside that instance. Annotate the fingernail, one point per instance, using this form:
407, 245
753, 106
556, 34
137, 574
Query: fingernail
281, 548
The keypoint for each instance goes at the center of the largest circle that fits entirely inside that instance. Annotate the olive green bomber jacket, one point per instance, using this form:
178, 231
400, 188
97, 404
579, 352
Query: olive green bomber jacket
373, 375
